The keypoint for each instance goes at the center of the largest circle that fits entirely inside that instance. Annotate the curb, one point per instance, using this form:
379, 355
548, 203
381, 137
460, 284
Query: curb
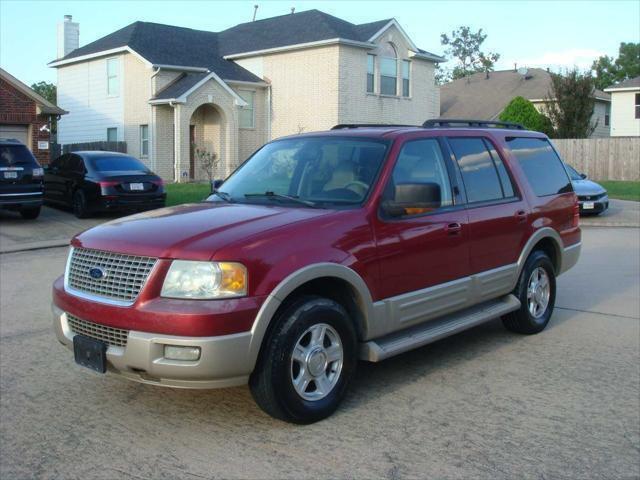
25, 247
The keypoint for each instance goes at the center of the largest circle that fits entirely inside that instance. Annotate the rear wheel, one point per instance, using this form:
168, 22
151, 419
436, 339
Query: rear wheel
30, 213
79, 204
536, 290
307, 361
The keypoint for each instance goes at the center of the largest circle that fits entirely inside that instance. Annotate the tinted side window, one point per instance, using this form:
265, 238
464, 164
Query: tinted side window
505, 180
478, 171
541, 165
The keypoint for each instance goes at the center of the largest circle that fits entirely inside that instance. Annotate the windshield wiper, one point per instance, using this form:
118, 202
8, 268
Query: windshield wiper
223, 195
281, 196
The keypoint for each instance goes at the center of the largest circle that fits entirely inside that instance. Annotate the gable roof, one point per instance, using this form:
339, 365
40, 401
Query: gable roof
628, 84
45, 105
484, 98
177, 46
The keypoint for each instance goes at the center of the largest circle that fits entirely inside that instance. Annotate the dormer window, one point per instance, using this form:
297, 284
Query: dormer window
388, 70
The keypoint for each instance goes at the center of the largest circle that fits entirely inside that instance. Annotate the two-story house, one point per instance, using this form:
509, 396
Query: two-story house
625, 108
168, 90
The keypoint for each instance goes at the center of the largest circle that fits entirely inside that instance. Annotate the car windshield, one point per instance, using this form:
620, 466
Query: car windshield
573, 174
16, 156
118, 164
307, 172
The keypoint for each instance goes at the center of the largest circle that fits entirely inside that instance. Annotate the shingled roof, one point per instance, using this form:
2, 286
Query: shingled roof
477, 96
178, 46
629, 83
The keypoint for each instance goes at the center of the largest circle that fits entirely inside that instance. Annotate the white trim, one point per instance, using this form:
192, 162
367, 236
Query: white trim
546, 100
300, 46
183, 98
394, 23
103, 53
623, 89
246, 83
180, 67
428, 56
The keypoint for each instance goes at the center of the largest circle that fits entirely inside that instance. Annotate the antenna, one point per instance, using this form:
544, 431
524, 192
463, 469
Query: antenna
255, 10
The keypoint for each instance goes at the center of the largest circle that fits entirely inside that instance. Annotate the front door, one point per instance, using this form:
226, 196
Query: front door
192, 153
423, 254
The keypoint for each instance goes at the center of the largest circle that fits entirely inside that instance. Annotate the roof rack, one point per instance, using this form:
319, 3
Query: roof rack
456, 122
342, 126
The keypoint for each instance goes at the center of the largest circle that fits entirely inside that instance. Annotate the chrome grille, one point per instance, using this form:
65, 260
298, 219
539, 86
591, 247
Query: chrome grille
124, 274
109, 335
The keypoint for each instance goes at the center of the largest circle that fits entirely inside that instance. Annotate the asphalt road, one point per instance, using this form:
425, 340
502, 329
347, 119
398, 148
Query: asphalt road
484, 404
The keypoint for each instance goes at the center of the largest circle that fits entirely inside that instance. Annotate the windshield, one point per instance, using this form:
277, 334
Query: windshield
309, 171
573, 174
16, 156
118, 164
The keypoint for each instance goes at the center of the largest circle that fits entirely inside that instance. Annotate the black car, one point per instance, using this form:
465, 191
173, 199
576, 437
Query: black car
20, 179
102, 181
592, 197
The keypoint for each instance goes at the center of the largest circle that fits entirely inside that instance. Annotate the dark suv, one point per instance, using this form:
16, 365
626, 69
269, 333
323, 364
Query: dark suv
322, 249
20, 179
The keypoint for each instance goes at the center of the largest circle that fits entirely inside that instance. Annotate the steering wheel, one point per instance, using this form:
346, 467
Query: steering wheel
363, 187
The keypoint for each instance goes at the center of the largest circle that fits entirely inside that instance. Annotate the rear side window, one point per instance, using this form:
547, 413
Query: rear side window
16, 156
480, 170
541, 165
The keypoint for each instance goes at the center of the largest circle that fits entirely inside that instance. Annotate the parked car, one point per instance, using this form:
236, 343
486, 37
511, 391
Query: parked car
322, 249
20, 179
592, 197
92, 182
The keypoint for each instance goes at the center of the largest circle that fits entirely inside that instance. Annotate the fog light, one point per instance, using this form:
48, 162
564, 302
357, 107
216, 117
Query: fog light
175, 352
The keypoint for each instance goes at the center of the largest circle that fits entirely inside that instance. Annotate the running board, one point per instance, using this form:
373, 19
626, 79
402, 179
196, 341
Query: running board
414, 337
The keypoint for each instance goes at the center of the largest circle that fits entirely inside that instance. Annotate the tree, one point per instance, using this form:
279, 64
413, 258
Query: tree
570, 103
46, 90
208, 162
609, 71
520, 110
464, 45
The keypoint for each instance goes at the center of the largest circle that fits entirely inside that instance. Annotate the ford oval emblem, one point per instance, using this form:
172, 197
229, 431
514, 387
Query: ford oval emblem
97, 273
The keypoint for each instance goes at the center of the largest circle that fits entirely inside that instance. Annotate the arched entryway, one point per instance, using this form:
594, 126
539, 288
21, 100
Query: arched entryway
207, 136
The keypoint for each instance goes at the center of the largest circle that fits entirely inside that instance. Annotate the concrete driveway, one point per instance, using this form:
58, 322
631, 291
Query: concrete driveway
486, 404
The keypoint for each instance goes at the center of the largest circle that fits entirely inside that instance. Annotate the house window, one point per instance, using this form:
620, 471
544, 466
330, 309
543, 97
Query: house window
112, 134
113, 81
247, 112
144, 140
389, 70
406, 67
637, 105
371, 68
606, 119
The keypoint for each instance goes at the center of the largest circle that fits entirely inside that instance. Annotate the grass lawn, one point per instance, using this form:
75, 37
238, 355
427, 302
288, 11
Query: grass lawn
622, 190
178, 193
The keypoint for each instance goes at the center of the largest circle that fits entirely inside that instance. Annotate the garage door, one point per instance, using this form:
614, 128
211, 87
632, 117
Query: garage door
19, 132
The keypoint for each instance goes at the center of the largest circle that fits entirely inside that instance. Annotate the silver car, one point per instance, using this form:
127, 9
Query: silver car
592, 196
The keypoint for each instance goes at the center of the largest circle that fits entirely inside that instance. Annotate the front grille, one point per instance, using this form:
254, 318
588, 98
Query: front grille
587, 198
120, 276
109, 335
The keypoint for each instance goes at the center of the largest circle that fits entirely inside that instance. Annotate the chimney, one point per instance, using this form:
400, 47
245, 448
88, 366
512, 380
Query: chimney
68, 36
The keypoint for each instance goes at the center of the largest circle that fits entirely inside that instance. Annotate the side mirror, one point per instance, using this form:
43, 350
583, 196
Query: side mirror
583, 175
413, 199
216, 184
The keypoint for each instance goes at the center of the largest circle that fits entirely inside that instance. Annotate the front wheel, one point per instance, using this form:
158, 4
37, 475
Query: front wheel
536, 290
307, 361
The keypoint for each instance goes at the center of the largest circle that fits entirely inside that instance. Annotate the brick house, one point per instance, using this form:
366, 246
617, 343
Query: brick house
166, 90
26, 116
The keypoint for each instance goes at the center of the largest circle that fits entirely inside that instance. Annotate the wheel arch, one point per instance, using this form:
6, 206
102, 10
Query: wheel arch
334, 281
547, 240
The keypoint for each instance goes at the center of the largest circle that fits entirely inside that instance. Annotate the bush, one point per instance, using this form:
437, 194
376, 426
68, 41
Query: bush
521, 110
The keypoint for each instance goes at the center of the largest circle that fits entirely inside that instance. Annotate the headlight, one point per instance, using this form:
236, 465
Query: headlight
205, 280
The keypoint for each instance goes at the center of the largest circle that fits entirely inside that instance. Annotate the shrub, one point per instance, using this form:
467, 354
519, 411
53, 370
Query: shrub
521, 110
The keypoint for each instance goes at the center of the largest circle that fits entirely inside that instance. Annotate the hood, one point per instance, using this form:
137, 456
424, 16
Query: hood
193, 232
587, 187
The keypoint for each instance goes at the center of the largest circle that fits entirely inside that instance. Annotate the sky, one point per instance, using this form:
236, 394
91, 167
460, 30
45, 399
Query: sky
554, 34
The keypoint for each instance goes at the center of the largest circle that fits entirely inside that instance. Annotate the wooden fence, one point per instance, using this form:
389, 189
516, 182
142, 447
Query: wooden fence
612, 158
102, 146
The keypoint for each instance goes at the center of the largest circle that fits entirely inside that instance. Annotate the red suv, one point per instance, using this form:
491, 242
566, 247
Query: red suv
362, 242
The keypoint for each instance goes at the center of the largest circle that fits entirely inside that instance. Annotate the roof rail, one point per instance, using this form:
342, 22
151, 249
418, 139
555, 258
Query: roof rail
342, 126
456, 122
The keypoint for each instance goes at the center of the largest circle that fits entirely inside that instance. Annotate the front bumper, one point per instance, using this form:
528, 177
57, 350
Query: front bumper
597, 206
224, 360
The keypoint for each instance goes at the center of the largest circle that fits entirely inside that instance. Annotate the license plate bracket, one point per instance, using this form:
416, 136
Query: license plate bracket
10, 174
136, 186
90, 353
588, 206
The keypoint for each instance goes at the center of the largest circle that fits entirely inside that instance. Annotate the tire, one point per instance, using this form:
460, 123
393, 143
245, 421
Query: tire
79, 204
30, 213
300, 324
530, 319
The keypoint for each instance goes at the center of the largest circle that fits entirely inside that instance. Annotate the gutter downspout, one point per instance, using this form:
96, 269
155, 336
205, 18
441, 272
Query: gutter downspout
269, 113
152, 140
176, 130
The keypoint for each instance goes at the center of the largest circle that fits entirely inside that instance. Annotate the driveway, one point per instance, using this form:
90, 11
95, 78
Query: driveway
621, 213
486, 404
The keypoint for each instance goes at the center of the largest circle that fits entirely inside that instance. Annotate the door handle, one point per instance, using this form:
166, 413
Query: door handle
453, 228
521, 216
